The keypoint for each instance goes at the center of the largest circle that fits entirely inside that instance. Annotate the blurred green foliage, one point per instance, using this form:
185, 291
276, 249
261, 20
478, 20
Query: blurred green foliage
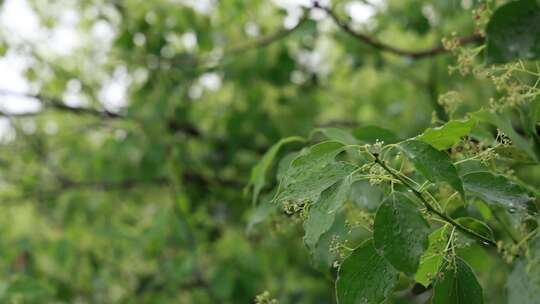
145, 201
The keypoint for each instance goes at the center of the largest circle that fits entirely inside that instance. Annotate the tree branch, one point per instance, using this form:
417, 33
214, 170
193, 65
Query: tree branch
129, 183
55, 103
266, 40
204, 63
412, 54
58, 104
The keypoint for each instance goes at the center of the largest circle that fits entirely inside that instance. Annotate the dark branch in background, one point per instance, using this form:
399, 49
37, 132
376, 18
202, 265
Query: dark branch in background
266, 40
172, 126
412, 54
126, 184
339, 124
204, 63
183, 127
433, 91
54, 103
48, 102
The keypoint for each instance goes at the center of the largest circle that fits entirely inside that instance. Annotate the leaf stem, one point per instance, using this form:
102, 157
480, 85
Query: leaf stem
483, 240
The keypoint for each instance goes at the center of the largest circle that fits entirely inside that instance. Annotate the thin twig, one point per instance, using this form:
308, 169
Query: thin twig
125, 184
55, 103
412, 54
49, 102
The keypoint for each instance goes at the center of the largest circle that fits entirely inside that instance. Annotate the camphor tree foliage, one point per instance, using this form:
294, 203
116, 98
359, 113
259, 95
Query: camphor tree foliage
273, 152
422, 211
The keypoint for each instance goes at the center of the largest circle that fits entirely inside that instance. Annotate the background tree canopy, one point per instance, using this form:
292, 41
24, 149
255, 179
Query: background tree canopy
206, 151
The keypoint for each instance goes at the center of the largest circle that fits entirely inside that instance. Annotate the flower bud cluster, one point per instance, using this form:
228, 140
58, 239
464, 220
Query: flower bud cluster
265, 298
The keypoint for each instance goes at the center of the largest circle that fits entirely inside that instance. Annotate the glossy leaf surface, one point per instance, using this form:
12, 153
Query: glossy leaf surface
365, 277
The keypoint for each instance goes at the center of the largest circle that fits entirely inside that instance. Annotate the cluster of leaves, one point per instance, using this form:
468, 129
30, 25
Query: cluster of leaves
139, 199
436, 194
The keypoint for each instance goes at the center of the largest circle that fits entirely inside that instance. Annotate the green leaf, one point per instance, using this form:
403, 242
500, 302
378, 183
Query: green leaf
503, 121
476, 256
476, 226
470, 166
336, 134
321, 257
312, 172
515, 155
322, 213
432, 163
447, 135
370, 134
366, 196
400, 232
496, 189
530, 117
513, 32
259, 172
365, 277
523, 284
433, 257
284, 164
457, 284
261, 212
509, 222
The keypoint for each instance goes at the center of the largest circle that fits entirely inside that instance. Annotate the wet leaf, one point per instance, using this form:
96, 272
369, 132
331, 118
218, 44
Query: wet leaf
449, 134
312, 172
432, 258
513, 32
340, 135
259, 172
523, 284
496, 189
322, 213
370, 134
432, 163
457, 284
476, 226
400, 232
365, 277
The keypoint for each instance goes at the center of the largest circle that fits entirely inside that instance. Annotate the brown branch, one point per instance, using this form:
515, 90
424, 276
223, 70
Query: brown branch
126, 184
49, 102
204, 62
266, 40
412, 54
54, 103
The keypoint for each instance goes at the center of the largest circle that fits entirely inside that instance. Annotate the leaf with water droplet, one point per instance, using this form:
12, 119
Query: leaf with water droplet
496, 189
432, 258
433, 164
513, 32
365, 277
523, 284
313, 171
261, 212
336, 134
400, 232
372, 134
447, 135
366, 195
457, 284
477, 226
259, 172
322, 213
503, 121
